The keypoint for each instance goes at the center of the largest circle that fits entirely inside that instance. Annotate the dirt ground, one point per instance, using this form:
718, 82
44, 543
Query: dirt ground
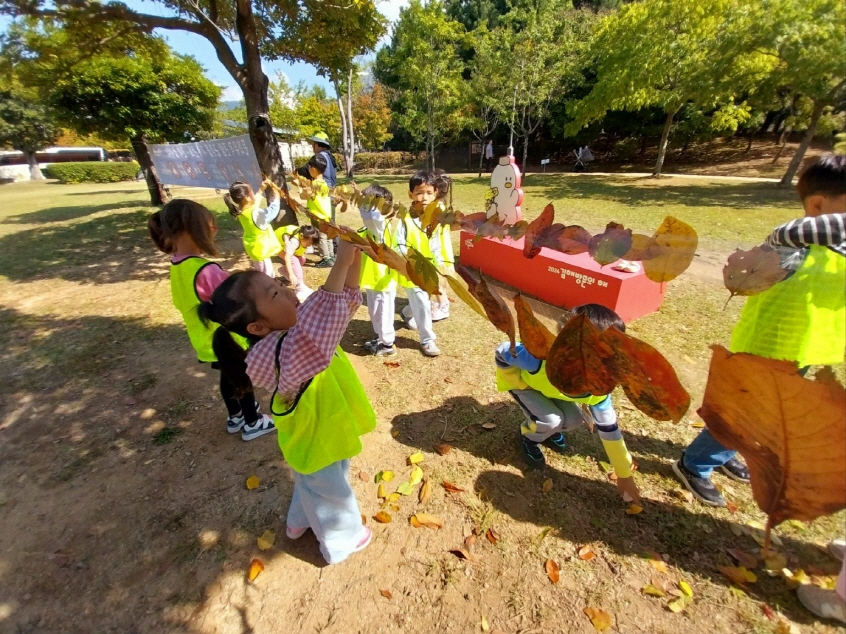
123, 504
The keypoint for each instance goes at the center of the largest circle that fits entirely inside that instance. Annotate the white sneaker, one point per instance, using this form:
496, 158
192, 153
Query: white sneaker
837, 548
430, 349
439, 313
295, 533
826, 604
408, 318
235, 423
262, 426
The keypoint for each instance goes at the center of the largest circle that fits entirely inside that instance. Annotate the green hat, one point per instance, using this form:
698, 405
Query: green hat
321, 139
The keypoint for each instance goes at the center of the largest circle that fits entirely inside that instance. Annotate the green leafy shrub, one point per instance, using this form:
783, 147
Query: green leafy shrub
92, 172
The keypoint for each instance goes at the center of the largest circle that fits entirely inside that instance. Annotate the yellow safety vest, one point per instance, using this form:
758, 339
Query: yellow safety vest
375, 276
183, 290
803, 318
447, 253
515, 378
290, 231
323, 423
320, 204
259, 244
417, 238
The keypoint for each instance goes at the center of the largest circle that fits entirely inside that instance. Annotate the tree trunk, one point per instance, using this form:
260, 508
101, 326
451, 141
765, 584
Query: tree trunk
796, 161
158, 194
782, 142
344, 136
643, 145
351, 132
34, 171
751, 139
525, 152
481, 158
768, 121
662, 147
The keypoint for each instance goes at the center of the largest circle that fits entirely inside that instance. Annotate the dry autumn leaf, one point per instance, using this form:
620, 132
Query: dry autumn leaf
415, 458
465, 295
429, 521
610, 245
363, 476
463, 553
552, 571
423, 272
387, 594
252, 483
634, 509
684, 586
255, 569
753, 271
653, 591
547, 485
492, 535
425, 491
442, 448
640, 250
678, 605
789, 430
742, 558
265, 541
536, 232
484, 624
496, 310
576, 362
672, 250
451, 488
416, 475
383, 517
739, 575
571, 240
659, 564
533, 334
600, 619
489, 426
384, 476
586, 553
381, 492
405, 488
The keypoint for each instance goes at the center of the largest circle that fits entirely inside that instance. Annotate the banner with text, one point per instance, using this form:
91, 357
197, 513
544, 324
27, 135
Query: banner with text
208, 163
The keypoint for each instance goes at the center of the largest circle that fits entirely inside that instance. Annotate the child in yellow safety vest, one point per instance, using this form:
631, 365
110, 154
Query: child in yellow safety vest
185, 230
549, 413
319, 405
320, 208
446, 255
260, 242
295, 240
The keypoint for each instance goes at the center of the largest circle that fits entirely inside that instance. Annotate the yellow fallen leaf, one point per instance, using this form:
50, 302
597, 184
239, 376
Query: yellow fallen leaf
413, 521
383, 517
266, 540
798, 578
684, 586
485, 626
395, 507
679, 604
429, 521
425, 492
252, 483
405, 488
600, 618
775, 561
547, 485
659, 565
380, 492
785, 627
415, 458
393, 497
738, 575
740, 594
416, 475
387, 594
395, 433
384, 476
255, 569
633, 509
652, 591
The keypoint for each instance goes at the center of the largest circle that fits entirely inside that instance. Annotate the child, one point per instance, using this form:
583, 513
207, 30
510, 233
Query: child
549, 412
379, 282
422, 190
320, 207
260, 242
319, 405
800, 319
185, 230
446, 256
295, 240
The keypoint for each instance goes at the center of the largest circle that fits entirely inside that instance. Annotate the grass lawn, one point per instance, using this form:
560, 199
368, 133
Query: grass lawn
123, 500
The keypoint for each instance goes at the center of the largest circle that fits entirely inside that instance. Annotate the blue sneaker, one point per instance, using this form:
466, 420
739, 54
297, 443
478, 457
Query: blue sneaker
532, 453
557, 443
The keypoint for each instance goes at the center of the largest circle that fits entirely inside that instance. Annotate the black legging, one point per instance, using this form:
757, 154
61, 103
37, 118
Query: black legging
246, 405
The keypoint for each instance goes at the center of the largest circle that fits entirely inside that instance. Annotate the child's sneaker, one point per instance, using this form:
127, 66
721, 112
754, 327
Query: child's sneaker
382, 350
325, 263
439, 313
365, 541
826, 604
430, 349
557, 443
264, 425
235, 423
702, 488
408, 318
295, 533
532, 453
371, 345
736, 470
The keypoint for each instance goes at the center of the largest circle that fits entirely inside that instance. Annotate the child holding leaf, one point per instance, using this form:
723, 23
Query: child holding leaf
549, 413
260, 243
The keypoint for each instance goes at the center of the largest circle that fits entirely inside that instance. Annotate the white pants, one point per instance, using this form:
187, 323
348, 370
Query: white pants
265, 266
421, 310
381, 306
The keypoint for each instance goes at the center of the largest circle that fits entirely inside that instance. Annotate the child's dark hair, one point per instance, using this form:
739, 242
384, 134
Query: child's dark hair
422, 177
444, 183
239, 191
601, 317
309, 232
318, 162
377, 191
826, 177
181, 215
234, 308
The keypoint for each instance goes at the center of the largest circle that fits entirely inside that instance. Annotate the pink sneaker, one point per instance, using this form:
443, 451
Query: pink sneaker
365, 541
295, 533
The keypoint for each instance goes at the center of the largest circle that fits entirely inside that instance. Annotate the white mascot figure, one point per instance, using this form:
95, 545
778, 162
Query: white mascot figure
505, 195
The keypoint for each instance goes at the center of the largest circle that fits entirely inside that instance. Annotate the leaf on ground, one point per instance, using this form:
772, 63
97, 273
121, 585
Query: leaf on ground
381, 492
683, 494
786, 627
534, 335
484, 624
673, 247
552, 571
775, 561
363, 476
753, 271
600, 619
684, 586
469, 542
405, 488
442, 448
576, 364
425, 492
547, 485
394, 497
429, 521
463, 553
392, 364
536, 232
653, 591
252, 483
492, 536
678, 605
363, 520
465, 295
659, 564
415, 458
255, 569
739, 575
743, 558
384, 476
383, 517
789, 430
265, 540
610, 245
423, 272
586, 553
387, 594
416, 475
634, 509
451, 488
489, 426
648, 379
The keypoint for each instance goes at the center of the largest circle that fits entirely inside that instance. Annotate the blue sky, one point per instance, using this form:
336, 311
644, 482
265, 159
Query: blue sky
191, 44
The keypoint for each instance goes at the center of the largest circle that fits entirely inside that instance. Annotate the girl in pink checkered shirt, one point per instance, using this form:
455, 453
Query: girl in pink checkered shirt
319, 405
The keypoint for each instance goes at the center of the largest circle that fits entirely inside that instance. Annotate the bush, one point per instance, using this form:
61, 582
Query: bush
299, 161
368, 161
92, 172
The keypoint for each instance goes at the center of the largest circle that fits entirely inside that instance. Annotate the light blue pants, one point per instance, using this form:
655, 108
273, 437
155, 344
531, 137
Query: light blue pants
324, 501
705, 454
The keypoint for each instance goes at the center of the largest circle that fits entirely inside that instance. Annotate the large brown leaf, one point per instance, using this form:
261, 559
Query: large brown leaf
576, 364
647, 377
423, 272
495, 308
753, 271
672, 250
572, 240
610, 245
537, 232
383, 254
533, 334
789, 429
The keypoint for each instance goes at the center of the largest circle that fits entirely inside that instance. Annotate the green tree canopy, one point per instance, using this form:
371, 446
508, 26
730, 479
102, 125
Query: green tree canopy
25, 125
